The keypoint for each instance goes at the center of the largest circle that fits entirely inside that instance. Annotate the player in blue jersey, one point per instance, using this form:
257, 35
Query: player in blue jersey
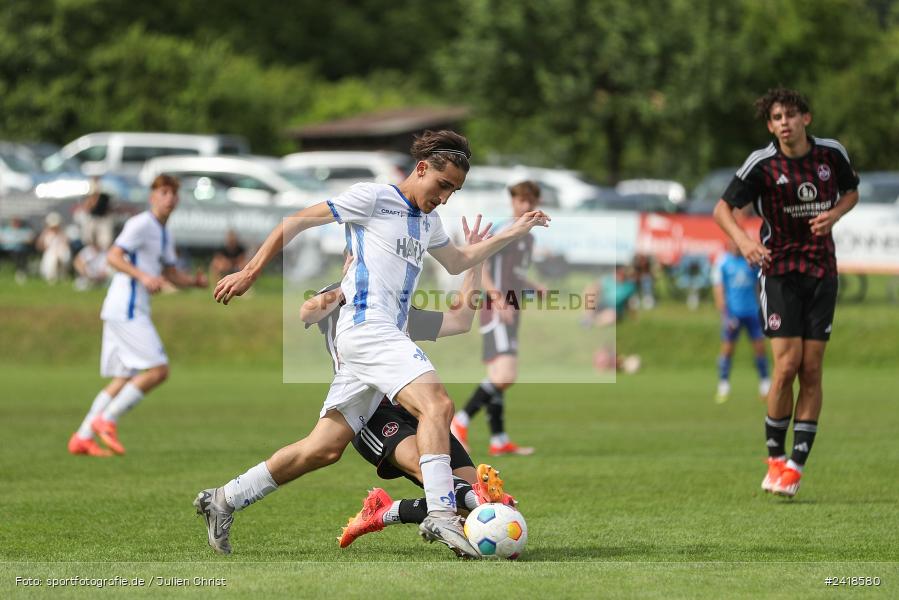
734, 282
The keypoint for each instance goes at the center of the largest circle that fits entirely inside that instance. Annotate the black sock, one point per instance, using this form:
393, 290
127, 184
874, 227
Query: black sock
413, 511
480, 397
461, 488
776, 435
496, 410
803, 438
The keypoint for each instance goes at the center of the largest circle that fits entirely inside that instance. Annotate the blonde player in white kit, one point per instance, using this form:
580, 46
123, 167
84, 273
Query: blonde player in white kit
133, 355
391, 228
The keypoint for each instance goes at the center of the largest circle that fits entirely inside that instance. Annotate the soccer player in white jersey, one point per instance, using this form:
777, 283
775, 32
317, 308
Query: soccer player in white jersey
391, 227
133, 355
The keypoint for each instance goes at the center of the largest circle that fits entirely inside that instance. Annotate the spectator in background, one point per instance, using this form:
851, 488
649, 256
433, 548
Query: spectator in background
54, 245
17, 240
645, 279
91, 266
230, 258
95, 217
612, 296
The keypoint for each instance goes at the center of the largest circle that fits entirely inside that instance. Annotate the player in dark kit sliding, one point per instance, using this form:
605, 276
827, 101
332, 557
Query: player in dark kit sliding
388, 440
801, 186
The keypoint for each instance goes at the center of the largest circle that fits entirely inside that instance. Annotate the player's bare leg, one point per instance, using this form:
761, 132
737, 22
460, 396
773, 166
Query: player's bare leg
787, 358
502, 372
82, 441
805, 422
323, 446
427, 400
105, 424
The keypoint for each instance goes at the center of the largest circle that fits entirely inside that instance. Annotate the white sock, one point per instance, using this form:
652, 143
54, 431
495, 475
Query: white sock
499, 439
244, 490
437, 478
103, 398
392, 516
794, 466
123, 402
463, 418
471, 500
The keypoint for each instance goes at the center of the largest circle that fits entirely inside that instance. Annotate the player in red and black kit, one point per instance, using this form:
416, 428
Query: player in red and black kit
505, 283
800, 186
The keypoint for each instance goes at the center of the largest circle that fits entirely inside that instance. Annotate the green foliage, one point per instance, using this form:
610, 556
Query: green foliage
614, 88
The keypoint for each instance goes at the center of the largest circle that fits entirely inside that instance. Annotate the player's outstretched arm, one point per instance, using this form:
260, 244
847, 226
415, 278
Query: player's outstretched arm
182, 279
754, 252
456, 260
458, 319
238, 283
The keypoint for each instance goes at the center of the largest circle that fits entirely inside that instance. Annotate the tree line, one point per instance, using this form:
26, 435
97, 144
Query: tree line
613, 88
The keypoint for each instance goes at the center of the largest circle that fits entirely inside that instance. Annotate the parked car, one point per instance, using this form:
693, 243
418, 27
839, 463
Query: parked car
249, 181
878, 187
650, 195
338, 169
560, 188
18, 168
708, 191
126, 152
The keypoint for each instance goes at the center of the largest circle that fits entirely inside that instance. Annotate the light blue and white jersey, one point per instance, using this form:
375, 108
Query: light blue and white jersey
149, 247
388, 237
737, 278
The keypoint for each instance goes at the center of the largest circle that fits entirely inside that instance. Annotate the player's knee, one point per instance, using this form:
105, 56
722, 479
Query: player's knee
160, 374
439, 408
787, 367
810, 373
327, 455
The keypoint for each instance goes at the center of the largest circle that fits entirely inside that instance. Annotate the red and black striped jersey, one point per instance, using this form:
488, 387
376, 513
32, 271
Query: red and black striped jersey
788, 193
508, 269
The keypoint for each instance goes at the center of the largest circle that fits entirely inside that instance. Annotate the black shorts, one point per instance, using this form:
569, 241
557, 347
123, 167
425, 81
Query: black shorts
798, 305
389, 426
500, 339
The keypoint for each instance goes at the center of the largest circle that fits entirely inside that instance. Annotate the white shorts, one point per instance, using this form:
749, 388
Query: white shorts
130, 347
356, 401
381, 356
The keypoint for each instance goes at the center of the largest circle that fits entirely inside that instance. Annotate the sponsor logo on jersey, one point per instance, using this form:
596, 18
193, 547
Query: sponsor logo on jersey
782, 180
774, 322
409, 247
823, 172
807, 192
390, 211
390, 429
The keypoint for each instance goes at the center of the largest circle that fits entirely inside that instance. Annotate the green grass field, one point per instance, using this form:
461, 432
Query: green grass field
643, 488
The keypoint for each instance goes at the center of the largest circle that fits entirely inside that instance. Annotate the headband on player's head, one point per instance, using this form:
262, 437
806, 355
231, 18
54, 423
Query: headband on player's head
452, 151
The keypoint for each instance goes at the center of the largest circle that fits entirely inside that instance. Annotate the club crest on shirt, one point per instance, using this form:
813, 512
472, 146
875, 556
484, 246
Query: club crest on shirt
807, 192
823, 172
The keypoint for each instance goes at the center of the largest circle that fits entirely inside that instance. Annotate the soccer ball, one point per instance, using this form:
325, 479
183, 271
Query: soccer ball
497, 531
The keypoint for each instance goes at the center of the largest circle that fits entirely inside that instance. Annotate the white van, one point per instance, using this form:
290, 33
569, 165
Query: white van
126, 152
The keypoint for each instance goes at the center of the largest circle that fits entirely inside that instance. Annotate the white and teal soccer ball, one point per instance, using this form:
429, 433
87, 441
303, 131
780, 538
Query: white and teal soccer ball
497, 531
